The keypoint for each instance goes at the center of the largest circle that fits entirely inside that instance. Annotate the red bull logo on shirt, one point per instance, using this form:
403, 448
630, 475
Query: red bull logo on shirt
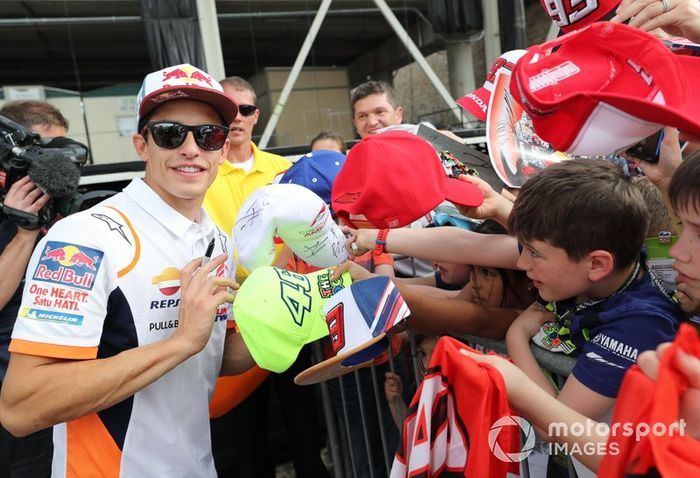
68, 264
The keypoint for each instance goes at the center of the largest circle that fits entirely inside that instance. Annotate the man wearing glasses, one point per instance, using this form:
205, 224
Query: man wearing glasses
246, 168
123, 327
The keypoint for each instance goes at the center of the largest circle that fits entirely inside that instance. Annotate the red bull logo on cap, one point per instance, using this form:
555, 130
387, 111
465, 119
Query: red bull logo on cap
186, 75
68, 264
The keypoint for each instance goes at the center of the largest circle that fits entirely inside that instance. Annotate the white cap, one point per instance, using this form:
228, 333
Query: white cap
296, 215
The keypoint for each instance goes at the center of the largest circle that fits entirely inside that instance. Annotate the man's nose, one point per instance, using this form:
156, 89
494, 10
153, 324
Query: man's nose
189, 147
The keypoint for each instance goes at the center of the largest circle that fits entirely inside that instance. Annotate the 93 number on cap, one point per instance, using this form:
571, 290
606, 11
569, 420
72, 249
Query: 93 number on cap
568, 12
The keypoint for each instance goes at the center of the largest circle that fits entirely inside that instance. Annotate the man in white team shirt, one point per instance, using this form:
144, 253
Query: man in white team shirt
123, 329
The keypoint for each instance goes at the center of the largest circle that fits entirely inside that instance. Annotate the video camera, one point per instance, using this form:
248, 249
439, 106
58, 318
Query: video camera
53, 165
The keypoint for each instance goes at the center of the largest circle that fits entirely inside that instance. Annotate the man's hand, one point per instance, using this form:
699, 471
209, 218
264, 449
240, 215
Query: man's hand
682, 18
528, 323
392, 386
357, 272
517, 383
359, 241
26, 196
669, 159
200, 296
494, 206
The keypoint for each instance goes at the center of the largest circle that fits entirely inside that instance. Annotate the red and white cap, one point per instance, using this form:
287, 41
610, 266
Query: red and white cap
606, 87
569, 15
359, 318
477, 102
395, 178
183, 82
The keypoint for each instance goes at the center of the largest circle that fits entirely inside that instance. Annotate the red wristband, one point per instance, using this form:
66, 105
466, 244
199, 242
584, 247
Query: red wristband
380, 242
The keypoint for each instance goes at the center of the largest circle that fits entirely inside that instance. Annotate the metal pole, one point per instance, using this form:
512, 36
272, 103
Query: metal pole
363, 417
331, 424
344, 402
380, 418
418, 56
460, 68
492, 32
294, 74
519, 28
211, 40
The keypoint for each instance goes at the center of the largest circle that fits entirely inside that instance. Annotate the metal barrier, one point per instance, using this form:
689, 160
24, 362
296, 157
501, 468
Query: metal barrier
359, 460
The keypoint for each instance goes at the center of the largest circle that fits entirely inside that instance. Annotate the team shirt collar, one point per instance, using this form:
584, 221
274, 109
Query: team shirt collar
178, 224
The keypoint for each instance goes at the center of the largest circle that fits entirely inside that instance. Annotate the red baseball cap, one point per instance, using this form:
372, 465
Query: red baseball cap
477, 102
606, 87
394, 178
569, 15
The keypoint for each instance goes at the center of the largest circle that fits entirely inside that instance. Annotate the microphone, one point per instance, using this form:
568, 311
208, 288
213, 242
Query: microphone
54, 173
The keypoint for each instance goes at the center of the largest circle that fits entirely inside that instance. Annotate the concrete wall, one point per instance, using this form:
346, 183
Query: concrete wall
111, 122
319, 101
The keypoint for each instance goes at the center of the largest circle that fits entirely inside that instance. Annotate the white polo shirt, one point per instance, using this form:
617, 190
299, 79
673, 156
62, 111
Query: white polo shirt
106, 280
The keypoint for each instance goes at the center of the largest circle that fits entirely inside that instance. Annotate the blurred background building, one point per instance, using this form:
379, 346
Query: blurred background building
89, 57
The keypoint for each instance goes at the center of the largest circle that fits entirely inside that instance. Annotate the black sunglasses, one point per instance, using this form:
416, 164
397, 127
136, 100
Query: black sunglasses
247, 110
171, 135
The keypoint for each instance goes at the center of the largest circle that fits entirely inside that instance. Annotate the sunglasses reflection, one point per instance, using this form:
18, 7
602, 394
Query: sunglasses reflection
171, 135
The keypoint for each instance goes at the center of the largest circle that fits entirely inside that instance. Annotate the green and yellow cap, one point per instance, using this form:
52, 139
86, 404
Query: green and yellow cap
279, 311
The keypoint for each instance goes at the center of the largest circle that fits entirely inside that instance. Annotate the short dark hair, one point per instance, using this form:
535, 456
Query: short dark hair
30, 113
659, 216
581, 206
332, 135
374, 87
684, 189
238, 83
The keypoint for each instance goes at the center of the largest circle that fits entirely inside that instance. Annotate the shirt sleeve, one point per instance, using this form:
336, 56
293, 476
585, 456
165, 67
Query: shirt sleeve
67, 286
614, 348
383, 258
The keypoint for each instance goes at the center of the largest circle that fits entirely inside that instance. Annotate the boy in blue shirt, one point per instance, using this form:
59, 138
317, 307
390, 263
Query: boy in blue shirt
581, 225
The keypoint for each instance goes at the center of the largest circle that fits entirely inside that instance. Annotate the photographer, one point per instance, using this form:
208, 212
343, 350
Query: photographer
28, 456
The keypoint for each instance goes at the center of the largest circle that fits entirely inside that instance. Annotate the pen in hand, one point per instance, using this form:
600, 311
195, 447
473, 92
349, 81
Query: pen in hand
207, 255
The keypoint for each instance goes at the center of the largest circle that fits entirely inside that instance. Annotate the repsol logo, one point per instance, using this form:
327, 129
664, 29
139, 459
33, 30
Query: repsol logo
165, 304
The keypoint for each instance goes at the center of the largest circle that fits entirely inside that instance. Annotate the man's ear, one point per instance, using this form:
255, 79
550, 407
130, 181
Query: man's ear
140, 146
224, 151
257, 116
399, 113
601, 265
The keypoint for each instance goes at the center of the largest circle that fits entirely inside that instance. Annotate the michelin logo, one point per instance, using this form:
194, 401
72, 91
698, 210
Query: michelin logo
615, 346
48, 316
